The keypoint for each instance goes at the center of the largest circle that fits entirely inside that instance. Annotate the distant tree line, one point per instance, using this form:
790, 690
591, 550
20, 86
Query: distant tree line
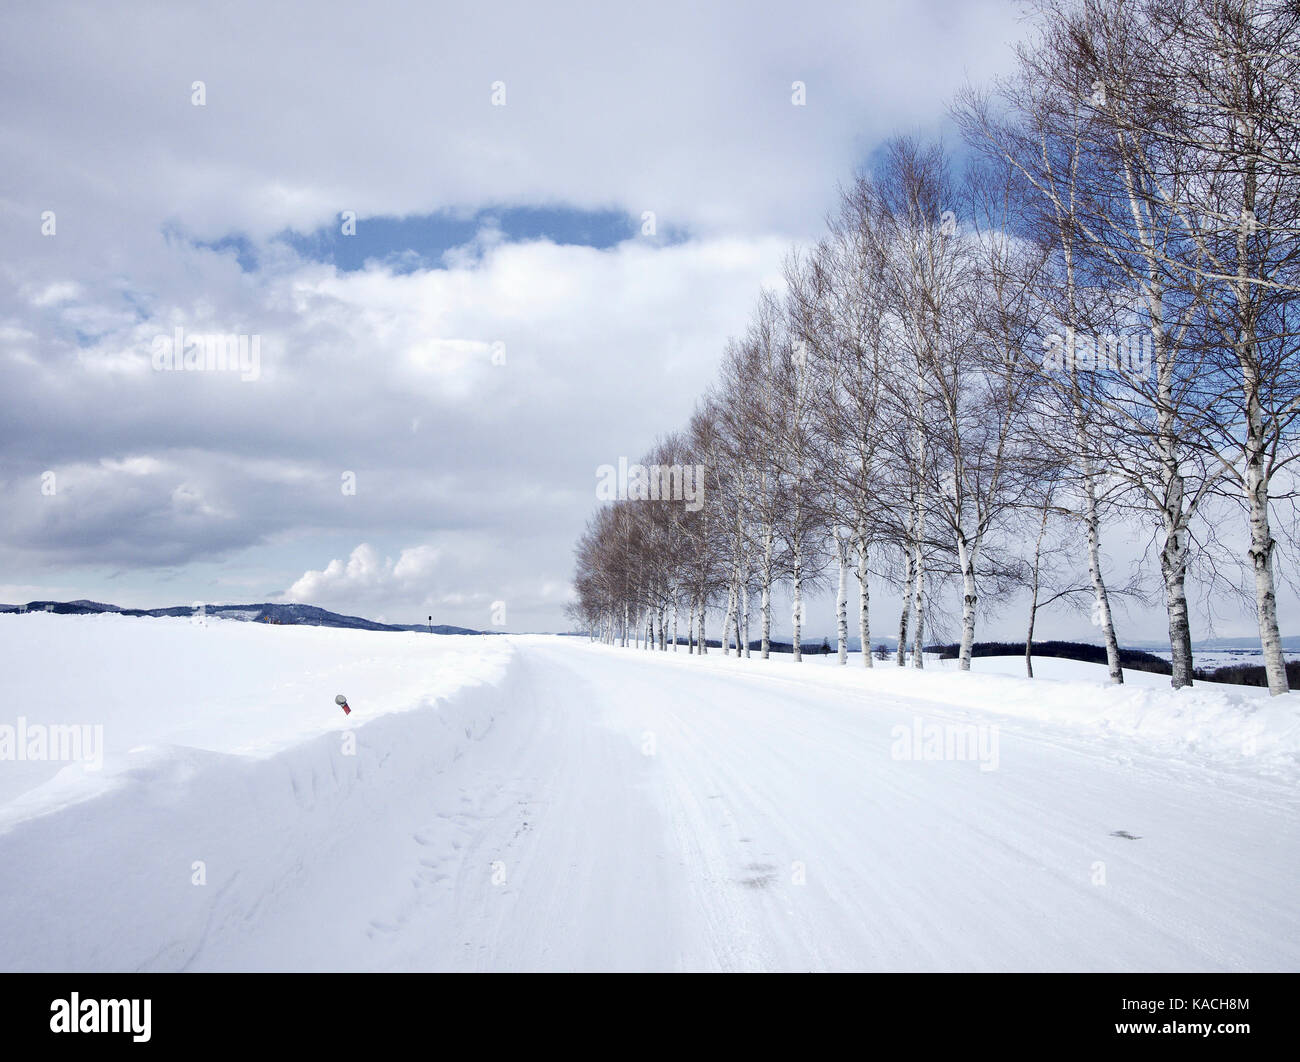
1136, 659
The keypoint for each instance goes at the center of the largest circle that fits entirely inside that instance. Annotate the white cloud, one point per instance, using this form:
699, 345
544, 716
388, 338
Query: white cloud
366, 579
416, 563
53, 294
687, 113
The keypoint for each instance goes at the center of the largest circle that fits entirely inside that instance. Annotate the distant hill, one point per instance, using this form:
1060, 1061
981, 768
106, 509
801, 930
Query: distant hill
293, 615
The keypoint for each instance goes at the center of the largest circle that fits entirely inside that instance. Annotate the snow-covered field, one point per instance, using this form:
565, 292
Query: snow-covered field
531, 803
1209, 659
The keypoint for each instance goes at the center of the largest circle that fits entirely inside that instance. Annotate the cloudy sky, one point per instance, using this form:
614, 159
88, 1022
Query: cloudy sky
434, 390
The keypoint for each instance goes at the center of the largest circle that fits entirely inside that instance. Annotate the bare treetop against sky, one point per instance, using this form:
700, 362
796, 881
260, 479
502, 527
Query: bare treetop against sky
473, 253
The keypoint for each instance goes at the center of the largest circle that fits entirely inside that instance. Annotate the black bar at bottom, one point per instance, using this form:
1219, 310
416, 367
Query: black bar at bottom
617, 1014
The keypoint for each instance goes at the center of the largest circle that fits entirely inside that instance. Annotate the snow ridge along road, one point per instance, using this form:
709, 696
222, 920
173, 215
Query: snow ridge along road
563, 806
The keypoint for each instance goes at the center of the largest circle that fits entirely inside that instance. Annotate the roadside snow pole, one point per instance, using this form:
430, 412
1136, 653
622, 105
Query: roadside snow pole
430, 624
342, 702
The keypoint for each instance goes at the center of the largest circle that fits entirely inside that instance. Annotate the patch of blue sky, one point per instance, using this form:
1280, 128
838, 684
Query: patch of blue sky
420, 241
406, 244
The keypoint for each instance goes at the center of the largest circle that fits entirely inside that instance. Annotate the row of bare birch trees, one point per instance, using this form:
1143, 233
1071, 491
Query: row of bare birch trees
980, 369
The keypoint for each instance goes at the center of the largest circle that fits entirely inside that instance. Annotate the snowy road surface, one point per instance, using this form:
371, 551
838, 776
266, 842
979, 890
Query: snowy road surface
688, 858
594, 808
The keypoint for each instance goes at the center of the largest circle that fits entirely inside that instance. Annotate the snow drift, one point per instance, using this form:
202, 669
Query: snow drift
138, 866
1240, 725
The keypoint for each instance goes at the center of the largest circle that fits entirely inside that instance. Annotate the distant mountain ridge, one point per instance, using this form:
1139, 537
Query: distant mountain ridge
293, 615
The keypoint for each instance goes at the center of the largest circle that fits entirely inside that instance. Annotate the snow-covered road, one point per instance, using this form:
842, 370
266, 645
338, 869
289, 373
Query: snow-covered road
592, 808
669, 815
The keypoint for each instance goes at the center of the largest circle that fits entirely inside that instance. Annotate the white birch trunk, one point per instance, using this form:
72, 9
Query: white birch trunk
726, 621
918, 608
864, 601
909, 591
1262, 546
905, 617
798, 602
1101, 598
966, 553
767, 591
842, 604
1173, 552
744, 605
736, 620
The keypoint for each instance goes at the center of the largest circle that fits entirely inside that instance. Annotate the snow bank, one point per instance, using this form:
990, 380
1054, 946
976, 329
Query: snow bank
250, 689
1227, 723
137, 865
1238, 725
